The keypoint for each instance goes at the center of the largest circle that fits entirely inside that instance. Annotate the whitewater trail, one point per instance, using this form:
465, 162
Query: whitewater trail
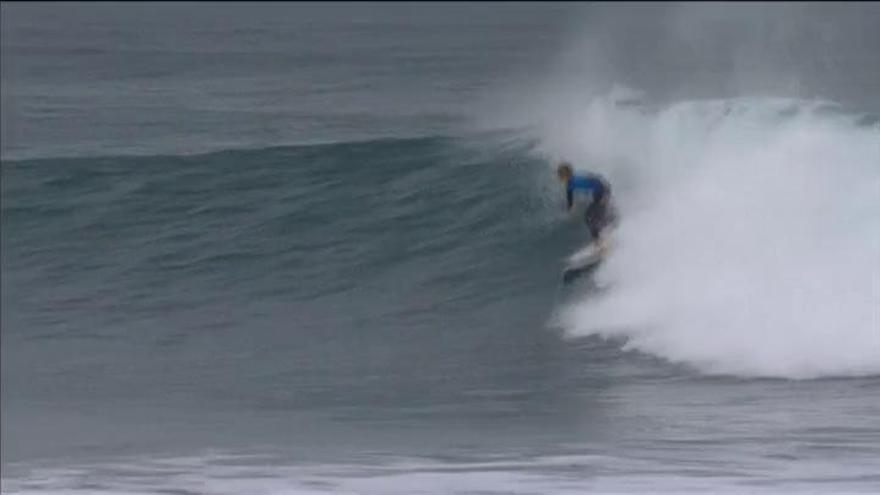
750, 240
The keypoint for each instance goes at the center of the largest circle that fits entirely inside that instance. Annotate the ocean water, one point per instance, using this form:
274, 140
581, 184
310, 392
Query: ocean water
317, 248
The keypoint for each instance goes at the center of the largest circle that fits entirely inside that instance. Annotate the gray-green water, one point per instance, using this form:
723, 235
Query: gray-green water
303, 248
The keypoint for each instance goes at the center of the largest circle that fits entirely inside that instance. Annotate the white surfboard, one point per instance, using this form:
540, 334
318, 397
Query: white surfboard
584, 256
582, 262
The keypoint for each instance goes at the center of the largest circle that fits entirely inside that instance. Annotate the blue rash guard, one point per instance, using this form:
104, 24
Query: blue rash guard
591, 184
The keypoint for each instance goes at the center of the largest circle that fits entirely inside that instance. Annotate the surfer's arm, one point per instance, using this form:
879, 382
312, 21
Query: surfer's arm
568, 198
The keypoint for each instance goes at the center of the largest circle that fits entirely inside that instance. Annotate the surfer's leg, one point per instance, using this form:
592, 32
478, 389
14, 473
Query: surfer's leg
612, 217
603, 244
595, 219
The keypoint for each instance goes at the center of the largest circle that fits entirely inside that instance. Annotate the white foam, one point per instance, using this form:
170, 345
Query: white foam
750, 237
557, 474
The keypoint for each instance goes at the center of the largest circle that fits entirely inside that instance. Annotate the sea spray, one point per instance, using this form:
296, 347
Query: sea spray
750, 243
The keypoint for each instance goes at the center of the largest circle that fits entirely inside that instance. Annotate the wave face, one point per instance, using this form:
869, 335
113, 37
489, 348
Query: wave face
751, 239
295, 224
278, 260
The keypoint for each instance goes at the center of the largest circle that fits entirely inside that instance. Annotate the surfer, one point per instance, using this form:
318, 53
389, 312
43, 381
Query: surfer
600, 212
